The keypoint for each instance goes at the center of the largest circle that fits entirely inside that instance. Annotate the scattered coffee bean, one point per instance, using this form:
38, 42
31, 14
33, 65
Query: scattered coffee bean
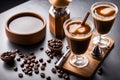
42, 67
21, 56
38, 65
36, 62
26, 72
18, 59
65, 76
31, 65
41, 60
53, 70
27, 65
44, 63
58, 70
31, 53
30, 73
25, 55
28, 62
12, 55
67, 47
55, 62
48, 78
36, 71
42, 75
41, 48
59, 75
51, 56
23, 70
35, 67
33, 57
48, 52
33, 60
17, 51
22, 65
100, 71
49, 60
15, 69
20, 75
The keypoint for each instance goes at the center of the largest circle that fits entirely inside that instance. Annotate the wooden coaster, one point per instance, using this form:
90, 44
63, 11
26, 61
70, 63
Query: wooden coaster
93, 64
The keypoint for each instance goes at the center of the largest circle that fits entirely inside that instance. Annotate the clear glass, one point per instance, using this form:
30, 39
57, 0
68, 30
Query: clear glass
78, 44
103, 22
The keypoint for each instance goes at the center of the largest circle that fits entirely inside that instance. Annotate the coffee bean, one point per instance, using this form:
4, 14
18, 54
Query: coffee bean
42, 75
49, 60
44, 63
36, 71
31, 53
33, 57
18, 59
22, 65
42, 67
38, 65
33, 60
41, 60
36, 62
28, 62
25, 55
23, 69
21, 56
26, 72
30, 73
59, 75
53, 70
55, 62
48, 78
17, 51
27, 65
20, 75
100, 71
51, 56
12, 55
35, 67
15, 69
65, 76
41, 48
31, 65
58, 70
47, 51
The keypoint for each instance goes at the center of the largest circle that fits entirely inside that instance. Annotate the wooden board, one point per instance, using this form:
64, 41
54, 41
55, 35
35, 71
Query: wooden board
89, 70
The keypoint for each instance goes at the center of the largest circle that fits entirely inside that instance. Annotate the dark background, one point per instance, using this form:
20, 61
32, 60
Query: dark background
111, 64
7, 4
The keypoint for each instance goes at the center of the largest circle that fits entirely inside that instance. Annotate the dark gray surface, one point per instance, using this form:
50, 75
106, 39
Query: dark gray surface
7, 4
111, 64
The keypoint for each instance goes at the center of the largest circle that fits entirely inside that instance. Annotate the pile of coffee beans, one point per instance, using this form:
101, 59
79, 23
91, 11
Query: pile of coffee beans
55, 45
8, 56
30, 64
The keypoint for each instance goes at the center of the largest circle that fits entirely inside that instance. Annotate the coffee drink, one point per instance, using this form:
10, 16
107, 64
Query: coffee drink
78, 36
104, 16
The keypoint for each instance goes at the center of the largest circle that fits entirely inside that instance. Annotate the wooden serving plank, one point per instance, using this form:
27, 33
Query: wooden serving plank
89, 70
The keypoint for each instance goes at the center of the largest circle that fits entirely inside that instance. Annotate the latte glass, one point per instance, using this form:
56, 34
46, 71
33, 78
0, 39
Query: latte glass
78, 37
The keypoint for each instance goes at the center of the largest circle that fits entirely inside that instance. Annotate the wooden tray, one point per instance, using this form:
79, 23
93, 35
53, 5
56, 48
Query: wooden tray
89, 70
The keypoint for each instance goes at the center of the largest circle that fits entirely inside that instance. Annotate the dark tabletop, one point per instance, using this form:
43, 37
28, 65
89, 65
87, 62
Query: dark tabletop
111, 65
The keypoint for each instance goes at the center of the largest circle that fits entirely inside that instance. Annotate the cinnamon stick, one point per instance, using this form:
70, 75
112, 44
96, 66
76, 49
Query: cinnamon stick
85, 19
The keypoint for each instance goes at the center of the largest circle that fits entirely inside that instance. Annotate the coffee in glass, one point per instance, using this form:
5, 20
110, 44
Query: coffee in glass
78, 37
104, 14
